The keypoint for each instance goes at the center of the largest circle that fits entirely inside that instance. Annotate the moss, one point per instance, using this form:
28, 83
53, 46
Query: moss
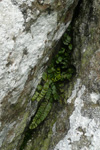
40, 138
22, 124
68, 91
43, 141
29, 146
43, 137
47, 142
86, 56
9, 147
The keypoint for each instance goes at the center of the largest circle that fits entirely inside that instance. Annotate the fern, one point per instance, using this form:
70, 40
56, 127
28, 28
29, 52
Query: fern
58, 71
43, 91
38, 115
41, 114
39, 87
35, 96
46, 111
54, 92
44, 76
48, 94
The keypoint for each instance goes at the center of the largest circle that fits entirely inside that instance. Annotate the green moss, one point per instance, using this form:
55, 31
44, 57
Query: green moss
46, 142
68, 93
29, 146
9, 147
22, 124
86, 56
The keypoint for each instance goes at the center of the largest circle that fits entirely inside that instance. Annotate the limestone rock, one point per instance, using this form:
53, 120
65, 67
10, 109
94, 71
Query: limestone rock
76, 126
29, 31
84, 131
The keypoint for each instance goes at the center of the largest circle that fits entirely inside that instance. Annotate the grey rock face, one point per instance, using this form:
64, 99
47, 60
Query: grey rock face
29, 30
84, 131
76, 126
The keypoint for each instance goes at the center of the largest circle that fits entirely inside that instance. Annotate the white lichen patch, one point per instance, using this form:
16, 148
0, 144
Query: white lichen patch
80, 127
11, 25
94, 97
54, 129
21, 51
2, 136
62, 29
74, 92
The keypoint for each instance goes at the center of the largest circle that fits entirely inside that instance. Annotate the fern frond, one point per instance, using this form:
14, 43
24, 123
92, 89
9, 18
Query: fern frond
35, 96
37, 117
43, 91
48, 94
41, 114
46, 111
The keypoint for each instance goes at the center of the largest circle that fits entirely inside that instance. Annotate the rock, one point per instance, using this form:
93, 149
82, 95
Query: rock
29, 30
76, 125
84, 131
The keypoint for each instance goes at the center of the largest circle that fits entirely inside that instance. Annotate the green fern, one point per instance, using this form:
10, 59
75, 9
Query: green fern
48, 94
38, 115
44, 76
43, 91
39, 87
41, 114
58, 71
35, 96
46, 111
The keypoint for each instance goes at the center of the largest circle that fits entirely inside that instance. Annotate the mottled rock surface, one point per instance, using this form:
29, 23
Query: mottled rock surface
76, 125
29, 31
84, 131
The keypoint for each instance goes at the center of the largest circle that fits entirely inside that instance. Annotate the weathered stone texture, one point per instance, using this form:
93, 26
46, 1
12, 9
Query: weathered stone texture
29, 31
76, 126
84, 132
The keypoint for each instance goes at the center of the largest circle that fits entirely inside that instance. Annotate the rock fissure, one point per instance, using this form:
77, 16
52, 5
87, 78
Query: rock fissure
51, 88
30, 29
